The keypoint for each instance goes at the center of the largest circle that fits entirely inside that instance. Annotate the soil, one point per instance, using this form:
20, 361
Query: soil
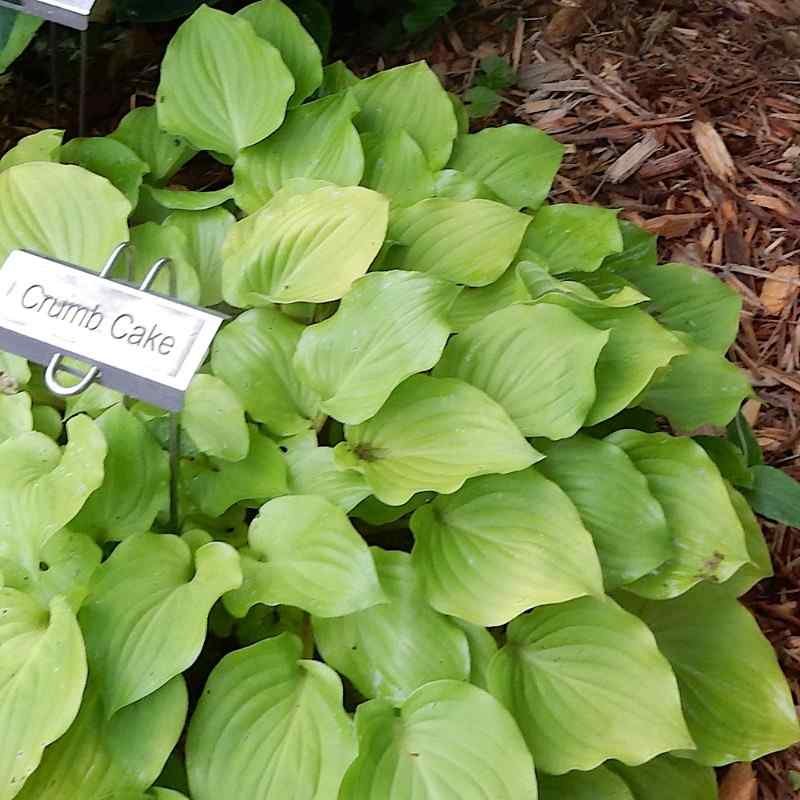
685, 114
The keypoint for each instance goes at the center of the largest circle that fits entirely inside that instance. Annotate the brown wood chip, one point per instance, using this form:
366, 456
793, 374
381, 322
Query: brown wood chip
633, 158
781, 289
671, 225
713, 150
570, 22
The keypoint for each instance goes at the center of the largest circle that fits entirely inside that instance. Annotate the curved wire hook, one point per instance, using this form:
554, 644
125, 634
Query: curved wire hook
154, 271
58, 388
111, 261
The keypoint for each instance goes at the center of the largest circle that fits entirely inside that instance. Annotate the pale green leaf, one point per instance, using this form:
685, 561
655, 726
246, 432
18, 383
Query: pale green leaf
318, 140
313, 470
449, 741
41, 146
760, 565
42, 487
205, 231
409, 97
98, 756
15, 415
735, 697
482, 647
253, 355
691, 300
304, 247
216, 486
696, 389
516, 162
135, 483
375, 513
637, 348
164, 153
501, 545
158, 203
110, 158
145, 617
536, 361
667, 778
389, 650
389, 326
336, 77
47, 420
433, 434
571, 238
61, 211
214, 419
627, 524
93, 400
470, 242
42, 676
278, 24
304, 552
559, 657
460, 186
708, 539
245, 89
270, 726
395, 166
152, 242
473, 304
14, 371
599, 784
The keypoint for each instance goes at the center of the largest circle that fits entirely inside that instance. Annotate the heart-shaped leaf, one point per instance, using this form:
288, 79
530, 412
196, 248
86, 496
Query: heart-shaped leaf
270, 726
396, 167
214, 419
41, 146
313, 470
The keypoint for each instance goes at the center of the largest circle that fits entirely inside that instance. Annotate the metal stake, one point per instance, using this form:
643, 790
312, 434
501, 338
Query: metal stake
54, 82
83, 82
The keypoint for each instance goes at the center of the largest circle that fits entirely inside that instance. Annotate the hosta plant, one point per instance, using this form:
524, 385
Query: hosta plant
445, 533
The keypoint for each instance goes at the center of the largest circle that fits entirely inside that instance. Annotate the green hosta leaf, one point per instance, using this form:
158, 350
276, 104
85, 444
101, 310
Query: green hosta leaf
432, 434
278, 24
304, 552
253, 355
599, 784
729, 459
639, 249
214, 419
481, 101
152, 242
246, 85
304, 247
42, 146
156, 204
536, 361
390, 326
262, 474
163, 152
111, 159
473, 304
313, 470
145, 617
15, 415
270, 725
708, 539
93, 400
760, 565
375, 513
23, 28
469, 242
571, 238
462, 115
205, 231
98, 756
666, 778
134, 487
410, 98
395, 166
37, 649
447, 740
460, 186
14, 372
626, 522
42, 487
47, 420
691, 300
738, 708
555, 655
501, 545
741, 434
337, 77
318, 140
426, 13
775, 495
637, 347
392, 649
699, 388
516, 162
482, 647
61, 211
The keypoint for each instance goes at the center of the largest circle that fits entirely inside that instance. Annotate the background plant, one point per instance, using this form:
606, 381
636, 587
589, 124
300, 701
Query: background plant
428, 454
